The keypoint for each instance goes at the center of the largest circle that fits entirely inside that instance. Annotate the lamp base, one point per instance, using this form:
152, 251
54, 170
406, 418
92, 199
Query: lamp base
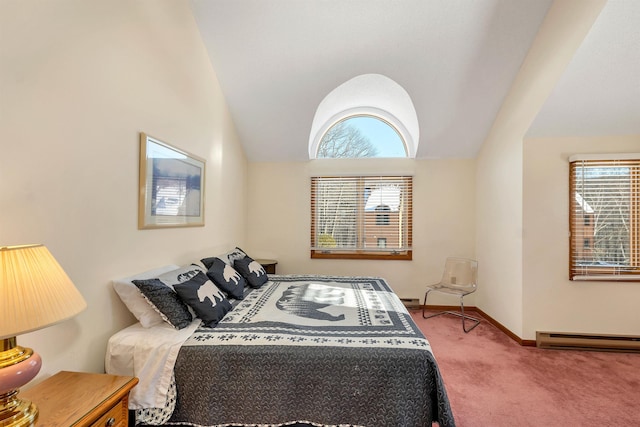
18, 366
15, 412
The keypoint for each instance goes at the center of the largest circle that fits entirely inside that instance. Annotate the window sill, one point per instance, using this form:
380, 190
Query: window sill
607, 278
401, 256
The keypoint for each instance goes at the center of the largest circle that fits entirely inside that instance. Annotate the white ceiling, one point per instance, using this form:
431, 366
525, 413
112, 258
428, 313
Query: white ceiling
599, 93
276, 60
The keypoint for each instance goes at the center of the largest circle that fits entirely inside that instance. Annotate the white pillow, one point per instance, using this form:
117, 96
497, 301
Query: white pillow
133, 299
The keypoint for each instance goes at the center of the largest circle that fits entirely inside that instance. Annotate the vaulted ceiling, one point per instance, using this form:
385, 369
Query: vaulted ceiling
276, 60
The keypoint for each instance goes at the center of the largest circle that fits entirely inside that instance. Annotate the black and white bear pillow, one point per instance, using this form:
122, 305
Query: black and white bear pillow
226, 278
234, 255
252, 271
208, 302
228, 258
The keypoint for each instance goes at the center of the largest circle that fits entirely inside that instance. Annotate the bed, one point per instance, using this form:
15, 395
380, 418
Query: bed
321, 349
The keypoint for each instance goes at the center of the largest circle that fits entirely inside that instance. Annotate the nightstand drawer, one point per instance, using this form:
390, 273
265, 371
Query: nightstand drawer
115, 417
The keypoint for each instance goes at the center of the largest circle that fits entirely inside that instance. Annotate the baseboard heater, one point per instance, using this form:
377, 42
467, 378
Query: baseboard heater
596, 342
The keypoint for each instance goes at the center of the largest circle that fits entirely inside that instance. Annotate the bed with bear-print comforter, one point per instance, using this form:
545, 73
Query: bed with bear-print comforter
329, 350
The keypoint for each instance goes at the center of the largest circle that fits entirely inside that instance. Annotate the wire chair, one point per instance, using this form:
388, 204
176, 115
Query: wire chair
460, 278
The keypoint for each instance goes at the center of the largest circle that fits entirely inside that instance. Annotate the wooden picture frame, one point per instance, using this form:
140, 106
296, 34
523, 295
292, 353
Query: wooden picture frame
171, 186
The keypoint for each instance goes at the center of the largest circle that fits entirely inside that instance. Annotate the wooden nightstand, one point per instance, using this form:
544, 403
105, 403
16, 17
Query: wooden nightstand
269, 265
82, 399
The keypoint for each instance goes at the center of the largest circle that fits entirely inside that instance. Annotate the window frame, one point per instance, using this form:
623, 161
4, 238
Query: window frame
583, 272
405, 254
346, 118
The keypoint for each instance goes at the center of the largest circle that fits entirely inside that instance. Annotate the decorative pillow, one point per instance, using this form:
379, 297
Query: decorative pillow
200, 264
235, 255
226, 278
165, 301
252, 271
134, 299
208, 262
205, 298
228, 258
180, 275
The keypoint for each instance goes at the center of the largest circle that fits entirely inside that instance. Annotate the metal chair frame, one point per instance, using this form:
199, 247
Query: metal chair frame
449, 285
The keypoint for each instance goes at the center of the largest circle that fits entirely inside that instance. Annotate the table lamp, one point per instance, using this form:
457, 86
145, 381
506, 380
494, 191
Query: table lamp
35, 292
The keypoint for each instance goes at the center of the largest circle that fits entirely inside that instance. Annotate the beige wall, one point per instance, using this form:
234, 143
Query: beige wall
443, 219
553, 302
79, 81
499, 230
500, 162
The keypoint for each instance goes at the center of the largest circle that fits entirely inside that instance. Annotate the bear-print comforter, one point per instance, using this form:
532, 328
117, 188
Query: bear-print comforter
328, 350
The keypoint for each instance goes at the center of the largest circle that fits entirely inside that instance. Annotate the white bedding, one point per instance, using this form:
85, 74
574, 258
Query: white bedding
149, 354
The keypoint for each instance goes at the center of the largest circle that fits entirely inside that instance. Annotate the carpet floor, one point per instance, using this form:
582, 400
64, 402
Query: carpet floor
493, 381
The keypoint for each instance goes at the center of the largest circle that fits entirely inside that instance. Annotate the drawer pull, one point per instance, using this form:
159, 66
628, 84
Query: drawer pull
110, 422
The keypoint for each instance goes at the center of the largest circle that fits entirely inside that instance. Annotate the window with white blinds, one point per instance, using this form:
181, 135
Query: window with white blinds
604, 218
361, 217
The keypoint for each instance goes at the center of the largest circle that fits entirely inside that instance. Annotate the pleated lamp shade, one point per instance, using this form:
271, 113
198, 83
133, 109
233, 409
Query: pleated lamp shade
35, 292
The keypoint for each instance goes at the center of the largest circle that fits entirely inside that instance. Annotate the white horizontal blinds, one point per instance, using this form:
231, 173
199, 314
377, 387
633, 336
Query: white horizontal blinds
361, 214
605, 219
335, 219
385, 226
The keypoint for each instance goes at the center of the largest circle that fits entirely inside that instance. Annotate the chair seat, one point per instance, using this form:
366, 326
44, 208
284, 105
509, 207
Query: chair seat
459, 290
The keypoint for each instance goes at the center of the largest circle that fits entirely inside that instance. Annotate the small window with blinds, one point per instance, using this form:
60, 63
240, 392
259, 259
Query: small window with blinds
604, 217
361, 217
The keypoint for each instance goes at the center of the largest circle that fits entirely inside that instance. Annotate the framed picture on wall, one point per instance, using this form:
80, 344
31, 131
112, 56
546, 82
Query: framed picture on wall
171, 186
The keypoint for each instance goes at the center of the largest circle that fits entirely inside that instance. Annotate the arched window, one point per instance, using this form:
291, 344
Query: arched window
361, 136
365, 102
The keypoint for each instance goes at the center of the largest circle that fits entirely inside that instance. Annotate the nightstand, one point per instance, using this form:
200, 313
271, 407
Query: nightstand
81, 399
269, 265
